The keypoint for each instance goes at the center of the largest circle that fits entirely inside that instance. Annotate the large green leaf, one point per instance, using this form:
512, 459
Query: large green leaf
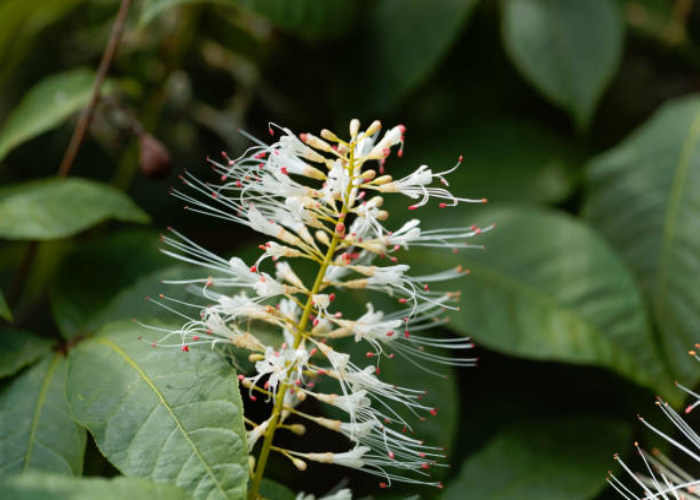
159, 413
56, 208
120, 260
307, 18
5, 312
568, 50
45, 106
19, 349
38, 486
561, 294
37, 431
503, 160
548, 460
643, 196
401, 42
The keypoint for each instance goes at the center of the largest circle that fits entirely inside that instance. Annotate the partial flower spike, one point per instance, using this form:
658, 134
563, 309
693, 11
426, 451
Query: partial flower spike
659, 477
319, 199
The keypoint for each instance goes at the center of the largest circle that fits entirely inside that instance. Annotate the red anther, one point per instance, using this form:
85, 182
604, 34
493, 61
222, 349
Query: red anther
313, 351
195, 338
214, 194
253, 269
253, 398
370, 354
261, 165
461, 158
298, 382
153, 344
383, 485
425, 287
424, 465
241, 377
316, 322
392, 455
284, 170
239, 184
340, 228
208, 332
338, 315
386, 152
412, 207
331, 297
387, 421
400, 153
404, 429
455, 251
361, 195
389, 334
391, 356
270, 131
376, 371
689, 409
402, 128
442, 205
440, 486
266, 385
224, 177
310, 385
419, 397
433, 412
484, 200
478, 230
321, 371
402, 300
405, 319
262, 247
421, 454
381, 169
304, 137
185, 348
406, 334
393, 259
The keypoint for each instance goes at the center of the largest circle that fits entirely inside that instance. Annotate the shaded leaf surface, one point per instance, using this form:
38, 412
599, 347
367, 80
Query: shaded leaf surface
5, 312
542, 461
568, 50
36, 486
160, 413
37, 431
19, 349
562, 295
642, 195
57, 208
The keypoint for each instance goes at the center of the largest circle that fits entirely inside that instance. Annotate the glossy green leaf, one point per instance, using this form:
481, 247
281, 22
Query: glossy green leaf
19, 349
120, 260
307, 18
57, 208
643, 197
504, 160
5, 312
171, 416
560, 294
568, 50
38, 486
45, 106
547, 460
37, 431
401, 43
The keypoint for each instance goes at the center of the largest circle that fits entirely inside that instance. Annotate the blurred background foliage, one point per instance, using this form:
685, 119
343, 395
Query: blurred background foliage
575, 118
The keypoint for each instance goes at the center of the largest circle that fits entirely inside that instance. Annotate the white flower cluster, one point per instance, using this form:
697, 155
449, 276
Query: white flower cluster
319, 199
661, 477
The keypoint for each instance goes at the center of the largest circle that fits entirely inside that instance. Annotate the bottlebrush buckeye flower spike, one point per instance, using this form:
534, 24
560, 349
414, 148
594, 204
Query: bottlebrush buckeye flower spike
660, 477
319, 199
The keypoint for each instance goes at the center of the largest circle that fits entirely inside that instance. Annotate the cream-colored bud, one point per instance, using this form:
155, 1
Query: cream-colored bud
301, 396
298, 429
317, 143
329, 136
384, 179
322, 238
368, 175
354, 127
373, 128
251, 463
382, 215
376, 201
333, 425
255, 357
298, 463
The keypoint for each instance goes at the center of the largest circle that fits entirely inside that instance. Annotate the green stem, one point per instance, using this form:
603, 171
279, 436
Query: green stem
298, 336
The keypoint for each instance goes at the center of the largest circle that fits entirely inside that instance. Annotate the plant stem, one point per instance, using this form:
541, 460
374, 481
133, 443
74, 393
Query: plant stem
298, 336
76, 141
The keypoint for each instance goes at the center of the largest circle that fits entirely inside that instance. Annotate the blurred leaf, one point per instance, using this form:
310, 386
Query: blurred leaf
401, 43
275, 491
503, 160
120, 260
37, 431
45, 106
38, 486
19, 349
568, 50
163, 414
5, 312
643, 197
307, 18
542, 461
57, 208
561, 295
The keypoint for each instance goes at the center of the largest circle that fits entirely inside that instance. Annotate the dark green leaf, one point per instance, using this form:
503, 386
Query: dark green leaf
56, 208
37, 431
5, 312
170, 416
275, 491
120, 259
568, 50
643, 197
401, 43
19, 349
46, 106
36, 486
547, 460
561, 294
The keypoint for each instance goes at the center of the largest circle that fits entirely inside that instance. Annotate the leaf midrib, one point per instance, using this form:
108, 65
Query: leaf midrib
165, 404
39, 407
